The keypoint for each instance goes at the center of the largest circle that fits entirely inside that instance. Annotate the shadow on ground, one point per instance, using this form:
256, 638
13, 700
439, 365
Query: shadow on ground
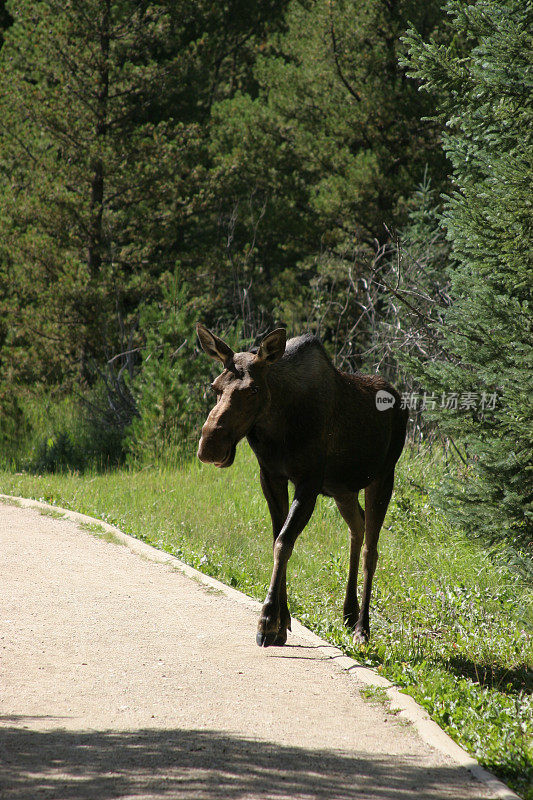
202, 765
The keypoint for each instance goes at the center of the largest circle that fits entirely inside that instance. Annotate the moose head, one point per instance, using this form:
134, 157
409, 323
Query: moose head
241, 390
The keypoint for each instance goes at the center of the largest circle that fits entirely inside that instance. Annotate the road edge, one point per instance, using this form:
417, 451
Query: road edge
402, 704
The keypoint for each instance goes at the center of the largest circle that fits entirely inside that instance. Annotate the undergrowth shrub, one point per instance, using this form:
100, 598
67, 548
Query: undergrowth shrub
71, 433
169, 385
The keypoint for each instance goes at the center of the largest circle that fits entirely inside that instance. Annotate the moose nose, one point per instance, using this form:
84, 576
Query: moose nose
213, 446
203, 451
200, 453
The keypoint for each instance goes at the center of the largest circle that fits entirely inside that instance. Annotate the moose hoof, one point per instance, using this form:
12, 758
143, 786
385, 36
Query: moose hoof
361, 636
281, 637
267, 639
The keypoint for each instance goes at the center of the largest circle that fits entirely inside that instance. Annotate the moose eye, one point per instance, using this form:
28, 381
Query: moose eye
254, 389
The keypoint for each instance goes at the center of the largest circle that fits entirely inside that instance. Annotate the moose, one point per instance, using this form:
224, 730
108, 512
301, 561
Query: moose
326, 431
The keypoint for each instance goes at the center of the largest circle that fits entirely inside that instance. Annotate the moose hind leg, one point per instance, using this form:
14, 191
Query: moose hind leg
377, 497
352, 513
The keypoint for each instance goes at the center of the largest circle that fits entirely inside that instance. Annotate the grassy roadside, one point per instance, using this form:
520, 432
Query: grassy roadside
447, 625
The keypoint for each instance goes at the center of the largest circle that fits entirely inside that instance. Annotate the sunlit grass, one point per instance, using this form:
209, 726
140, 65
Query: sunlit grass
448, 624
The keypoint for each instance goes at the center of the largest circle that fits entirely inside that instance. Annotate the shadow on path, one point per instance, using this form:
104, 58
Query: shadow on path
203, 765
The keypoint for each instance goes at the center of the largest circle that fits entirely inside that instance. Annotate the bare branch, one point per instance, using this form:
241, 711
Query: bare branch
340, 73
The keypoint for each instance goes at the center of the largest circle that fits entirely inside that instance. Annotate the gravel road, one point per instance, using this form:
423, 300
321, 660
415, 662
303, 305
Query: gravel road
125, 678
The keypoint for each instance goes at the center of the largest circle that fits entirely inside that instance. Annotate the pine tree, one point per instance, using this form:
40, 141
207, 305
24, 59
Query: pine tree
78, 169
169, 387
482, 88
329, 153
105, 107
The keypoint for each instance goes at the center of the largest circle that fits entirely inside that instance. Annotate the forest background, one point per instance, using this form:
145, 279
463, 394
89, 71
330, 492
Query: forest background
357, 168
361, 169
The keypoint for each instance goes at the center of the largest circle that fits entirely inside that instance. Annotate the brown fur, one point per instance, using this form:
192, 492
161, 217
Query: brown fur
319, 428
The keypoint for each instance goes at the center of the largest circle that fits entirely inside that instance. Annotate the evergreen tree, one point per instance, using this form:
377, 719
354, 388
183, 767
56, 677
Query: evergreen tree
331, 150
482, 88
169, 387
77, 171
103, 158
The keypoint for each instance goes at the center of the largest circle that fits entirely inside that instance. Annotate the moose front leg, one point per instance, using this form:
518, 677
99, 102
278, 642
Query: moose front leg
275, 490
300, 512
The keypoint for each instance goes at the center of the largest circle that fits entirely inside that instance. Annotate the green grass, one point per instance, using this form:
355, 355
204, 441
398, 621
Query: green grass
98, 530
449, 625
51, 512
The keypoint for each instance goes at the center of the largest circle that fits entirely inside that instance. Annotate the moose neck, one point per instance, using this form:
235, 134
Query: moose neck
300, 384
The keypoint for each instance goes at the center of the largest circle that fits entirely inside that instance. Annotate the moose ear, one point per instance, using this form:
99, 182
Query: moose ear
212, 345
273, 346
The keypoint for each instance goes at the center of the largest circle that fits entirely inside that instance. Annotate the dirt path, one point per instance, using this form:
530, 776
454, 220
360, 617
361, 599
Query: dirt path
123, 678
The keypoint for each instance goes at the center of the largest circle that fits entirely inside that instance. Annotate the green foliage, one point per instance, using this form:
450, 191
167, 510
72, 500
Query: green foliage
414, 274
261, 150
43, 432
105, 186
14, 426
335, 83
103, 161
482, 89
77, 166
55, 454
330, 150
448, 625
169, 388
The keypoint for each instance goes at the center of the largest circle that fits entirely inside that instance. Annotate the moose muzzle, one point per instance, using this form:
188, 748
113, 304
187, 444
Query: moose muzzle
215, 446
